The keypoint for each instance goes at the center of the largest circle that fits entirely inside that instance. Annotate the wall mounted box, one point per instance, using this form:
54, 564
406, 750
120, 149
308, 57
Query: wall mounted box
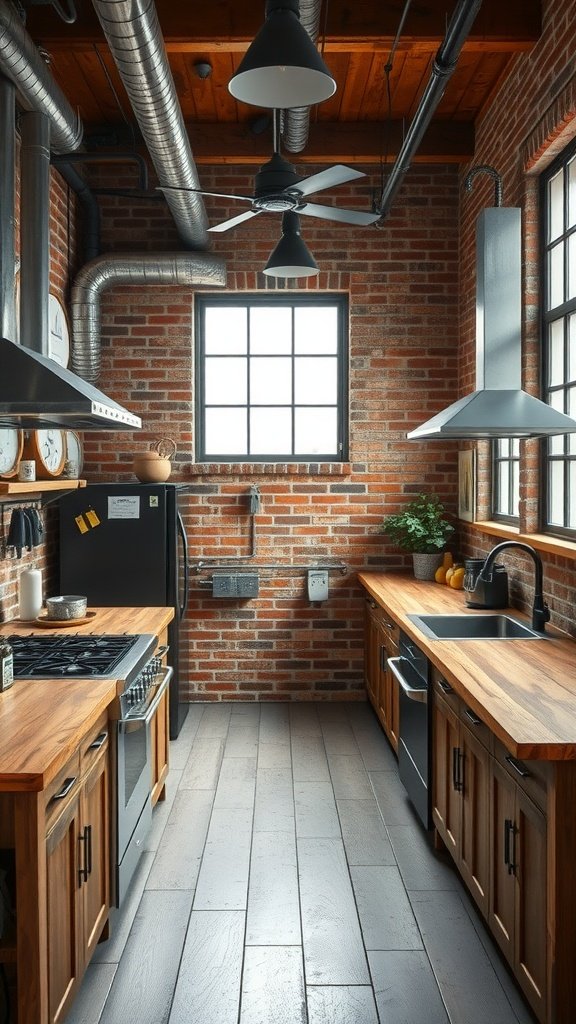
243, 584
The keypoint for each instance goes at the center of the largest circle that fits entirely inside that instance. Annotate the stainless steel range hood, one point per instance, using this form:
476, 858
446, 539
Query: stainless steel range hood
37, 392
499, 407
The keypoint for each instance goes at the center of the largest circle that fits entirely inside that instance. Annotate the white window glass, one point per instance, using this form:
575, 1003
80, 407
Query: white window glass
556, 276
270, 330
515, 489
572, 348
225, 381
315, 431
270, 431
316, 381
571, 267
226, 330
556, 206
572, 499
270, 381
556, 353
556, 400
516, 447
571, 171
571, 438
316, 330
226, 432
503, 488
556, 491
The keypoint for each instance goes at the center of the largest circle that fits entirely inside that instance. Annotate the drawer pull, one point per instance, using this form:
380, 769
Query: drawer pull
445, 687
371, 602
472, 717
99, 741
68, 783
84, 871
457, 780
510, 845
389, 625
518, 767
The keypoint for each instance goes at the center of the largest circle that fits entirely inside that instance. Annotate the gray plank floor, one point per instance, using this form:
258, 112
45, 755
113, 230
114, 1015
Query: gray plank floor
286, 880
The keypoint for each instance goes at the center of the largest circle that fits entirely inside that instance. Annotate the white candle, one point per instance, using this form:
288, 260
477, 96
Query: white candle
30, 593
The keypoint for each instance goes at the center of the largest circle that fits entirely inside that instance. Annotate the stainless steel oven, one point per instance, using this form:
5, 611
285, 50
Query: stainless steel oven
411, 669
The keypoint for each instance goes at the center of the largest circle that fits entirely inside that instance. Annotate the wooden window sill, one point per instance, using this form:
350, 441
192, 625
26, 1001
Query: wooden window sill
316, 469
539, 541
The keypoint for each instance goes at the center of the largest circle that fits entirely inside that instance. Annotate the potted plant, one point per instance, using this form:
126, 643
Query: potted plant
422, 529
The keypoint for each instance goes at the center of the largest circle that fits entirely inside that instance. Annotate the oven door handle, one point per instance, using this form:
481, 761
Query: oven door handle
412, 692
124, 723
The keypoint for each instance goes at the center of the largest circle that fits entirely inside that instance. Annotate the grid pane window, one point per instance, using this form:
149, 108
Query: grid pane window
506, 479
559, 335
271, 378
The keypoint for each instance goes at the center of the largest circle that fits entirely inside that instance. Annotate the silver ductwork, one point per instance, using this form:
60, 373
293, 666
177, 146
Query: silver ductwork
133, 34
23, 64
296, 121
499, 407
177, 268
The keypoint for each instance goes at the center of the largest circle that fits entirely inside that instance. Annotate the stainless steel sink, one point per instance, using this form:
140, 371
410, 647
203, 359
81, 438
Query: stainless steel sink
474, 627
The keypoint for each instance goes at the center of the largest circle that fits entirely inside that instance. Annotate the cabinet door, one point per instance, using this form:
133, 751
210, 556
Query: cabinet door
502, 859
159, 744
371, 651
392, 695
445, 790
531, 940
65, 961
95, 854
474, 859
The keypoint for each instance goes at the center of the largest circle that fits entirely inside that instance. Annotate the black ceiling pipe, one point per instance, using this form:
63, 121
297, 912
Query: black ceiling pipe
444, 64
116, 157
90, 209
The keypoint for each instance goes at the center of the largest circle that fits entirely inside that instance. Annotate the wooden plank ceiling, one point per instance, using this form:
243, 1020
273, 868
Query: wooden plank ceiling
354, 126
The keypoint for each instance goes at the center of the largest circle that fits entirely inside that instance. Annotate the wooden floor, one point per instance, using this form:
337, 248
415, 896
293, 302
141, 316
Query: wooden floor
286, 880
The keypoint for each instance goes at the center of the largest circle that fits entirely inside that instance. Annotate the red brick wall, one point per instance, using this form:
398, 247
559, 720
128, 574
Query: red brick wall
531, 119
401, 281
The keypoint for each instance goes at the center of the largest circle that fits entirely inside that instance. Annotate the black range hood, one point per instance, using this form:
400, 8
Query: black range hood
36, 392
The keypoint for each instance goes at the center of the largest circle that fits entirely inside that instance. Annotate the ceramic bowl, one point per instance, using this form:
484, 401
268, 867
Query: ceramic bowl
67, 606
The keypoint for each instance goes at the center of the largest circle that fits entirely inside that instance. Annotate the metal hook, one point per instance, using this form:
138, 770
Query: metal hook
486, 169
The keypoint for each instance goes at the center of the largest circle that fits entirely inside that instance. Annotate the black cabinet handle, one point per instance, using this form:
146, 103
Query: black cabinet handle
518, 766
371, 602
83, 871
88, 834
68, 783
456, 768
383, 658
389, 625
472, 717
99, 741
445, 687
510, 845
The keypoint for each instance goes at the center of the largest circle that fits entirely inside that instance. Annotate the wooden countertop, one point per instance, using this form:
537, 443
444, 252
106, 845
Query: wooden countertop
43, 720
525, 690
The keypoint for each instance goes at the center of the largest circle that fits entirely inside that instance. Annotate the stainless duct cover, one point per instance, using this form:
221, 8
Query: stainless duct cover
37, 392
499, 407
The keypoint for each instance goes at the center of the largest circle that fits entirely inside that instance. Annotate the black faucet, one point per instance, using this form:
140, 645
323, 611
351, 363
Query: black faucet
540, 610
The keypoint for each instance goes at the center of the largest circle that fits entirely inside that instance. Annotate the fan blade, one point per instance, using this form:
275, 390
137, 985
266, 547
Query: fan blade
335, 213
336, 175
235, 220
201, 192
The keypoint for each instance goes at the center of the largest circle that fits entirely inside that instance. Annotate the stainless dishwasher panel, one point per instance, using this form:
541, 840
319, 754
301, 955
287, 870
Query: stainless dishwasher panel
411, 671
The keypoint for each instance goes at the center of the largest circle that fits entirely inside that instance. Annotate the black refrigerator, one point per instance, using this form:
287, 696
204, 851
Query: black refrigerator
125, 544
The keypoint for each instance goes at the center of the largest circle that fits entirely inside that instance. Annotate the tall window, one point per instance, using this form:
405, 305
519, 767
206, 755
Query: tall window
558, 199
506, 479
271, 378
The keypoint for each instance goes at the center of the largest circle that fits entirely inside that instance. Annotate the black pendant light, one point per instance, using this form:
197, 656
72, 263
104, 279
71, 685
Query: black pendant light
291, 257
282, 67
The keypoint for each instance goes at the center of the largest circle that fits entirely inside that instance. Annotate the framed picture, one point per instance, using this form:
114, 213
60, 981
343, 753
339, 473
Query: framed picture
467, 485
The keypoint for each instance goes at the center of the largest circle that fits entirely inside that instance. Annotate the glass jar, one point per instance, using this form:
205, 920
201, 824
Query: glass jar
6, 665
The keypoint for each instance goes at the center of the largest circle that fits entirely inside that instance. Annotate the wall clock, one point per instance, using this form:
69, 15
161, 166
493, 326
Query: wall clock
58, 332
48, 449
74, 454
11, 444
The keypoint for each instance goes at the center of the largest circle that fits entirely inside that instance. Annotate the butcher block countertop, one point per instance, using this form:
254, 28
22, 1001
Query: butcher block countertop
524, 690
43, 720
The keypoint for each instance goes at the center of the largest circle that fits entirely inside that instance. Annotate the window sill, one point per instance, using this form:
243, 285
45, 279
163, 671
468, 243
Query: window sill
317, 469
539, 541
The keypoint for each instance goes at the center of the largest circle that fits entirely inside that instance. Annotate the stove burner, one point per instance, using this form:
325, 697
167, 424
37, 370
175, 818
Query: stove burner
99, 657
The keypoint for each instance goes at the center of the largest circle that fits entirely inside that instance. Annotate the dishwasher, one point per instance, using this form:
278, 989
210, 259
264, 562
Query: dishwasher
411, 669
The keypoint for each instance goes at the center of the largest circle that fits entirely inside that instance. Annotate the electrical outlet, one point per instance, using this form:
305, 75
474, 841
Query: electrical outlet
317, 585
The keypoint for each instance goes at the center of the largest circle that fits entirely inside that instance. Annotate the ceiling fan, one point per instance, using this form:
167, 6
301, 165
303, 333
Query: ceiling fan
279, 189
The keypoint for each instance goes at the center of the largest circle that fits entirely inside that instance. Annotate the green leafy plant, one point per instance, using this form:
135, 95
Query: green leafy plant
420, 527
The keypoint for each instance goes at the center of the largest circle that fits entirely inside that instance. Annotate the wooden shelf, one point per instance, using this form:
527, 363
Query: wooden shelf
18, 487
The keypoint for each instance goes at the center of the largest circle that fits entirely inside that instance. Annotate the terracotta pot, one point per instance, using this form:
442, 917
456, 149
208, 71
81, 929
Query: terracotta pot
151, 468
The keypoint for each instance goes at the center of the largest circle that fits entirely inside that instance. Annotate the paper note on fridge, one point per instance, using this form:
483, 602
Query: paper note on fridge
124, 506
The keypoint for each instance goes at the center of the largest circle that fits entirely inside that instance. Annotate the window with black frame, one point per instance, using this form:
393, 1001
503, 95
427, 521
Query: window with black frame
271, 378
558, 203
506, 479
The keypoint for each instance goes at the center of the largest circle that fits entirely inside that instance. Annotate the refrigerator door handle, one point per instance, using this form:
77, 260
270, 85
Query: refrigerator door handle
183, 538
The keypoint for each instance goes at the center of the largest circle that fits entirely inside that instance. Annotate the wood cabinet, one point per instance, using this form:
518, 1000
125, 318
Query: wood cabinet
77, 870
381, 643
461, 788
159, 734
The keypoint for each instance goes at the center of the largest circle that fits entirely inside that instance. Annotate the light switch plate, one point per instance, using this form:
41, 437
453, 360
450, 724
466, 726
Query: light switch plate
317, 585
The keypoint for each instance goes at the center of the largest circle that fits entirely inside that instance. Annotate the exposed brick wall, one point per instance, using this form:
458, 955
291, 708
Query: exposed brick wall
403, 361
530, 120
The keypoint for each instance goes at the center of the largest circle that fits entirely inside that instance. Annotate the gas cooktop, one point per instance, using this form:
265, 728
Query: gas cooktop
101, 657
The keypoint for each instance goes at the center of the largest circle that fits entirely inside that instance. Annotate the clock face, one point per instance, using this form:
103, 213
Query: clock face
51, 449
58, 333
10, 450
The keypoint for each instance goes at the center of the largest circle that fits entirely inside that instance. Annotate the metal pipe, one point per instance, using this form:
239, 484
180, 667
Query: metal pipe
90, 208
22, 63
332, 567
109, 158
486, 169
296, 120
172, 268
444, 65
35, 232
8, 324
133, 33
